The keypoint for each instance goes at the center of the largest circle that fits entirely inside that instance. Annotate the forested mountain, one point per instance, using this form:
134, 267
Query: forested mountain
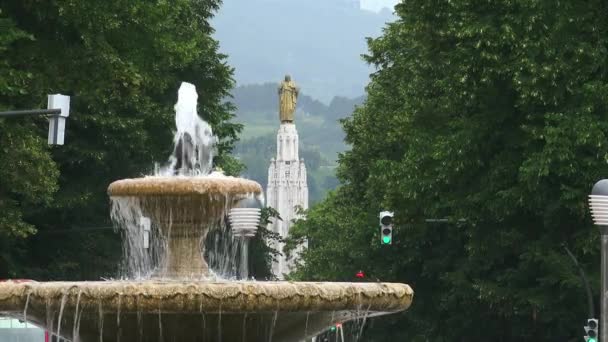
317, 41
256, 98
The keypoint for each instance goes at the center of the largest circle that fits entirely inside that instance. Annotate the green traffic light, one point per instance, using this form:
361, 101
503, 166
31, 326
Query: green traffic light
591, 339
386, 239
333, 328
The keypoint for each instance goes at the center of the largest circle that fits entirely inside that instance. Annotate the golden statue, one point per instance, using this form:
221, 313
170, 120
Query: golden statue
288, 96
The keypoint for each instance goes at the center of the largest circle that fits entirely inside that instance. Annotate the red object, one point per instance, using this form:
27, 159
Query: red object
46, 336
360, 275
338, 325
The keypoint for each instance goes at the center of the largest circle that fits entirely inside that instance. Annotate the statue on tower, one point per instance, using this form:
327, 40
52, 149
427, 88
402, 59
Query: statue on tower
288, 96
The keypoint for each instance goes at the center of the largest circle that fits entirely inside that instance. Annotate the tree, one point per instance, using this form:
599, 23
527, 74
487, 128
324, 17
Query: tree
492, 115
28, 176
261, 251
122, 64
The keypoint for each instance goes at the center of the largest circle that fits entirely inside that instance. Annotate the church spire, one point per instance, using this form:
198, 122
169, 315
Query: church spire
287, 182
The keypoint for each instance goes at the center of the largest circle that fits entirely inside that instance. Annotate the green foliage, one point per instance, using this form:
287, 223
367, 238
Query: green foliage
255, 154
494, 116
28, 176
122, 63
261, 250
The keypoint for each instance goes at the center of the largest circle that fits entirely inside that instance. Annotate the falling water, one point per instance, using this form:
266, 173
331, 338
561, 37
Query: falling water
219, 323
244, 329
228, 255
77, 330
49, 315
204, 326
142, 254
306, 325
100, 322
140, 323
274, 322
363, 323
244, 264
76, 324
62, 306
27, 303
160, 325
118, 329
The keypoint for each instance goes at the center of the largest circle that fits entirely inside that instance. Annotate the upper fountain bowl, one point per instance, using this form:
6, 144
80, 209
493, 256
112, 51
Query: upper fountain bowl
184, 186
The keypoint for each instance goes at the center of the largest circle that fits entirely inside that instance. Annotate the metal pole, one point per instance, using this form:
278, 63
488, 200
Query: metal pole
31, 112
604, 298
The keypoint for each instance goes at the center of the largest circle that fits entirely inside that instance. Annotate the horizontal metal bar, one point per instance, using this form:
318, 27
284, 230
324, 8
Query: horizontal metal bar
31, 112
443, 220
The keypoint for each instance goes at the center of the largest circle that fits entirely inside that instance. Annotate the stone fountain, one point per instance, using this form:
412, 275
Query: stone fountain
169, 292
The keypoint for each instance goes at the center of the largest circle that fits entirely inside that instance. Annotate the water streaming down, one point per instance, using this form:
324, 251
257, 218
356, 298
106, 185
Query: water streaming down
160, 324
228, 255
27, 302
64, 297
100, 322
143, 243
306, 325
140, 320
118, 328
49, 314
272, 325
76, 322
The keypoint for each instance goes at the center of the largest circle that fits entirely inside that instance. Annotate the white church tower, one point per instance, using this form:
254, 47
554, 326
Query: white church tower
287, 188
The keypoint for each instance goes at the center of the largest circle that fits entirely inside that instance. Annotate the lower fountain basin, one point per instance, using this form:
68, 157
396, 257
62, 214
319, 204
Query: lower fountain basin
196, 311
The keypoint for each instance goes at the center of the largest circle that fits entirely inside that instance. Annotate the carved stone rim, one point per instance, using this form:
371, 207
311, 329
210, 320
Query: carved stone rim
183, 186
192, 297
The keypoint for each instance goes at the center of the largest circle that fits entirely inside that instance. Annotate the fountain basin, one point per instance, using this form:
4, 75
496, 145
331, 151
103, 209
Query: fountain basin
193, 311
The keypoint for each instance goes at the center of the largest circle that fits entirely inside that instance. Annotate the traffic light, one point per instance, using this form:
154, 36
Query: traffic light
591, 329
386, 227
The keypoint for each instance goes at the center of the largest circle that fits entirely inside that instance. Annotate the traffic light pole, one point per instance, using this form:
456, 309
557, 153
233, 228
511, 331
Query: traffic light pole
604, 298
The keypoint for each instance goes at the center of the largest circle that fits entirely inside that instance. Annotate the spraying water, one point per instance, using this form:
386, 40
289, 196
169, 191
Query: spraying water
194, 142
154, 228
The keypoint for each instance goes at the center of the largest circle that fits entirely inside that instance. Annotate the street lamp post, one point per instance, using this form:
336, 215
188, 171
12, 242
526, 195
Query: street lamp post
598, 201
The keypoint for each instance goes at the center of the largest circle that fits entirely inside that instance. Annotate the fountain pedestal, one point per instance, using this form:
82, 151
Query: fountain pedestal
184, 258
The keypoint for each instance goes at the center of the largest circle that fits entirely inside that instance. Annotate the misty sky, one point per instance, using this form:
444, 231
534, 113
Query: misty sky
266, 39
376, 5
